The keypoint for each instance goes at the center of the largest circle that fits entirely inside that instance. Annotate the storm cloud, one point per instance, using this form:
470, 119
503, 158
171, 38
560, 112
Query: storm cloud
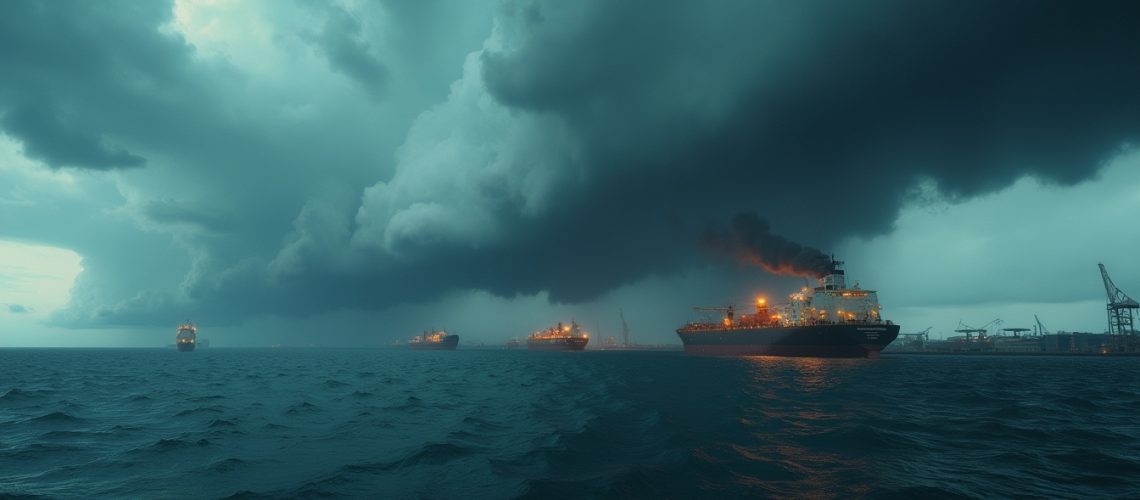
594, 141
522, 148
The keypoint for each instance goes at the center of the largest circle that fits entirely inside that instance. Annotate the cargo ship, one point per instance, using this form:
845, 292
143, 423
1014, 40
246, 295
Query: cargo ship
187, 337
434, 341
559, 338
829, 320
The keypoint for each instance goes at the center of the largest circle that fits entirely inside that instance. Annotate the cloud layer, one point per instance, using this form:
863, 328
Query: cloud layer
294, 159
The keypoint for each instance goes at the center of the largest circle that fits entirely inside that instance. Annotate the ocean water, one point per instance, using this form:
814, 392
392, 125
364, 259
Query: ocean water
268, 423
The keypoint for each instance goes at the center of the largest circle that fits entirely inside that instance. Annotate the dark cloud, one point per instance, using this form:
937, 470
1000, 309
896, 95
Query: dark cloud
47, 138
74, 73
659, 119
342, 42
822, 116
18, 309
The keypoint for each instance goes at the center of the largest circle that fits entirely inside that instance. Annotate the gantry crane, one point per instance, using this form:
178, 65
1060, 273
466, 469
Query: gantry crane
1121, 332
981, 332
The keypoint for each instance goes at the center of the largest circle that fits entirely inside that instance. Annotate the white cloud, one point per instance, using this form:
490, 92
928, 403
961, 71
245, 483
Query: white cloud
467, 167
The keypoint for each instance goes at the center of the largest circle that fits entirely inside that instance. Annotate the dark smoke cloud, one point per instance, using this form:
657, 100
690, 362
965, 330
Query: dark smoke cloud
750, 240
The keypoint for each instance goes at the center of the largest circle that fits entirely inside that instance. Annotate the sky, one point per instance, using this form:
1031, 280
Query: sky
350, 173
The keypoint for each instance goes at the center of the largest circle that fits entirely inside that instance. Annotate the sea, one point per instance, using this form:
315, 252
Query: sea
388, 423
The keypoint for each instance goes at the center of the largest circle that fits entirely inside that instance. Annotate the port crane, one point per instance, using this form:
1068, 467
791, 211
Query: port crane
919, 338
980, 332
1120, 327
1041, 330
624, 328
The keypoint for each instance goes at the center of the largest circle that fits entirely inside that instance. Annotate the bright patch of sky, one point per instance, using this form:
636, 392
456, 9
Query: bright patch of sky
1028, 249
34, 282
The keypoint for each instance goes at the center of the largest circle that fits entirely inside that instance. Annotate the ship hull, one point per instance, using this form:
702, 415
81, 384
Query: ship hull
824, 341
557, 344
449, 343
185, 346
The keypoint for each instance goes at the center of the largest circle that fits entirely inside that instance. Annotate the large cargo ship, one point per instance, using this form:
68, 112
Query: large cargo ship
830, 320
434, 341
559, 338
187, 337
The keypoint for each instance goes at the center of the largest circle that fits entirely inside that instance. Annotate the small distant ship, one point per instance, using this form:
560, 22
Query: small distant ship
829, 320
187, 337
559, 338
434, 341
514, 343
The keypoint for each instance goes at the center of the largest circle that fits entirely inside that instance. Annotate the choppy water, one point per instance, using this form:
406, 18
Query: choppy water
464, 424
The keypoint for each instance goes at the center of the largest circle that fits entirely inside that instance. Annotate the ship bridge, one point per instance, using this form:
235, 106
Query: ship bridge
832, 302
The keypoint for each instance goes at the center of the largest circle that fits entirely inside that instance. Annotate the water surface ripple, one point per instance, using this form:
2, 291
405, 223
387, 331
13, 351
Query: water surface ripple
271, 423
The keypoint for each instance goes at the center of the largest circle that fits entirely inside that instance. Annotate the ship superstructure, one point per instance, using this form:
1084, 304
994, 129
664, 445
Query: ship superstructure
437, 340
559, 338
186, 338
829, 320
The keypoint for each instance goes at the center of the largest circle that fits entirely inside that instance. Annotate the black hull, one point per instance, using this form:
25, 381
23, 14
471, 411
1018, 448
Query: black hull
822, 341
185, 346
449, 343
557, 344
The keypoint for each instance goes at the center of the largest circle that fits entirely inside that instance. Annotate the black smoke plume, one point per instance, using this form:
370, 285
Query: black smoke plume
749, 239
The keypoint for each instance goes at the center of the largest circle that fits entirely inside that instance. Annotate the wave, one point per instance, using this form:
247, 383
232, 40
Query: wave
221, 422
428, 454
199, 410
16, 394
173, 444
226, 465
409, 403
58, 417
1097, 461
37, 451
302, 407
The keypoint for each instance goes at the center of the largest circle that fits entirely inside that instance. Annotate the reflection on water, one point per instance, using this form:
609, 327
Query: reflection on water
787, 408
806, 374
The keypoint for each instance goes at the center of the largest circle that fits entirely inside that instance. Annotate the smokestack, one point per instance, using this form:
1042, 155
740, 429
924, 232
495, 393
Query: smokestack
750, 240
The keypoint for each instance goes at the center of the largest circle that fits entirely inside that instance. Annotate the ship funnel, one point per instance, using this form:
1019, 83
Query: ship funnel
835, 279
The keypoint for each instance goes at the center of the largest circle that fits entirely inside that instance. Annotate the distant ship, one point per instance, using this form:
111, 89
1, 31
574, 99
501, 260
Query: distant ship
187, 337
434, 341
560, 338
829, 320
514, 343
